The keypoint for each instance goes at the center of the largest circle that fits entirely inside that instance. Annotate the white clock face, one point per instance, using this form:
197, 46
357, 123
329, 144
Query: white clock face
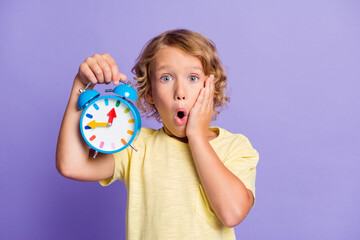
107, 124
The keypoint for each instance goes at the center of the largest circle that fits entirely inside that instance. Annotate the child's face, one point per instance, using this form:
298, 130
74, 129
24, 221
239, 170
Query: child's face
176, 79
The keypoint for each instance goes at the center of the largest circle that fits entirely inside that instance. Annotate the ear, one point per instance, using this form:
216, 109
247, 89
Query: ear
149, 98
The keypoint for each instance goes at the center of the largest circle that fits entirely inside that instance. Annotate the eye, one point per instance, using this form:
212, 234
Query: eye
165, 78
193, 78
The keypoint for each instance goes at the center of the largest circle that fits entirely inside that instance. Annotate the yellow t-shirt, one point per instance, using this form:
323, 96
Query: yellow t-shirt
165, 196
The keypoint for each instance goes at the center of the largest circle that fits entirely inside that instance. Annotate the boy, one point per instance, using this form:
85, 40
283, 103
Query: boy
187, 180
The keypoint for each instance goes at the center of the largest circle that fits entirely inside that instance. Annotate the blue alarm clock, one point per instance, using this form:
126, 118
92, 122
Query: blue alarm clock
109, 123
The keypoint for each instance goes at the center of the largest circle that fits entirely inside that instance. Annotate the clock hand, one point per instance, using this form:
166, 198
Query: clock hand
94, 124
112, 115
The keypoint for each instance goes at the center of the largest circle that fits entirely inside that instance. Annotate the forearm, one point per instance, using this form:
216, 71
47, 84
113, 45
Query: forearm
71, 151
226, 193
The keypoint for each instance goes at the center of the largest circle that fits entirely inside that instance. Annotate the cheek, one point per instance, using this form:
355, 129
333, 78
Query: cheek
195, 91
161, 99
158, 94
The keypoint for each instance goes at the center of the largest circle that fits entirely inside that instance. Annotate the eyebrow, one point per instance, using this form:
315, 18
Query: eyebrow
164, 67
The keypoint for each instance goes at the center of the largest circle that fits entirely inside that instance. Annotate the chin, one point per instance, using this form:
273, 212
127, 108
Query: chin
179, 132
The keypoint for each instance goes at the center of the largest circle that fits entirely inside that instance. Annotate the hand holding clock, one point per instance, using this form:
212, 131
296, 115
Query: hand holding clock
100, 68
111, 136
72, 154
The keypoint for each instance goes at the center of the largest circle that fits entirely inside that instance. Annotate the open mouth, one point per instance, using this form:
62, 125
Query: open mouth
181, 116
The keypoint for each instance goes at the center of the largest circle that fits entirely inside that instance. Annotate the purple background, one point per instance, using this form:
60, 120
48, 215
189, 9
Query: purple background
293, 69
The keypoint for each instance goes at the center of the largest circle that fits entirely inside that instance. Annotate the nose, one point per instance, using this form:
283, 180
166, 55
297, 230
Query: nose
180, 91
180, 98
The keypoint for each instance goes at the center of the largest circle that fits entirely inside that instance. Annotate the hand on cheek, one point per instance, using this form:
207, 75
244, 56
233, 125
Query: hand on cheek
200, 115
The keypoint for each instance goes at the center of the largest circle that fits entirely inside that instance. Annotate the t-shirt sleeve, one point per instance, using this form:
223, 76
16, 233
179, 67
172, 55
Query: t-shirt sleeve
242, 161
121, 169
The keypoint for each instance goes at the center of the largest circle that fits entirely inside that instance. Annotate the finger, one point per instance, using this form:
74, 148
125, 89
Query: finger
200, 100
207, 93
207, 107
122, 76
116, 75
197, 105
212, 87
114, 68
86, 73
212, 96
105, 67
96, 69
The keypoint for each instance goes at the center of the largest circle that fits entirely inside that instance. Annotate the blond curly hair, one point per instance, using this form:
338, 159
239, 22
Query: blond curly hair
192, 43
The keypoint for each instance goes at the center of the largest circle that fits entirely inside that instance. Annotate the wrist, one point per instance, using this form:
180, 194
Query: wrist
79, 83
197, 138
76, 87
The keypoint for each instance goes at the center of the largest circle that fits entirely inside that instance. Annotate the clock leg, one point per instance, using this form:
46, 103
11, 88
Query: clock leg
96, 152
133, 148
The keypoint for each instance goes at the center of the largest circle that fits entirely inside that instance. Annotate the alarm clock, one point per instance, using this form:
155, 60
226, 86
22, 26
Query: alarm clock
109, 123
